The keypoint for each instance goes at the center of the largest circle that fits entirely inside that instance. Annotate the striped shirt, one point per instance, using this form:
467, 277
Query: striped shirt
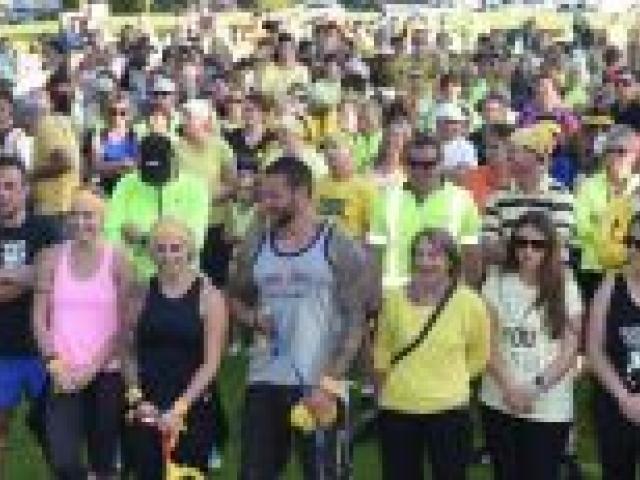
506, 206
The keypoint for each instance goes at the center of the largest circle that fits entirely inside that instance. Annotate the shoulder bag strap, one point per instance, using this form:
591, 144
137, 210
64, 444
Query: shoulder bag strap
426, 329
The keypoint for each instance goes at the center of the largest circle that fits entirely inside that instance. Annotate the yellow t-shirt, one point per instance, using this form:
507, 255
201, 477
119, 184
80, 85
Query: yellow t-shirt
348, 202
208, 163
310, 156
53, 196
322, 125
436, 376
275, 80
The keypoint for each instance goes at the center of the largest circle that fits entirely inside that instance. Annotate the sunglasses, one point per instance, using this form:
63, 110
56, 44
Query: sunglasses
619, 151
534, 243
632, 242
119, 112
162, 94
8, 186
164, 248
420, 165
85, 215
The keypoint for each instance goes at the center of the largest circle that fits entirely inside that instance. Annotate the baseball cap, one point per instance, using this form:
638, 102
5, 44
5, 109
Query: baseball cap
450, 111
197, 107
163, 85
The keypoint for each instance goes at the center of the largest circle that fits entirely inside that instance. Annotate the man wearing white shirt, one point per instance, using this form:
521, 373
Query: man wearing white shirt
14, 141
458, 153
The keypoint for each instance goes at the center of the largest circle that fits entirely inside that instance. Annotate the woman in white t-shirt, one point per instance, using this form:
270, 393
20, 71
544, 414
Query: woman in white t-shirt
13, 141
527, 392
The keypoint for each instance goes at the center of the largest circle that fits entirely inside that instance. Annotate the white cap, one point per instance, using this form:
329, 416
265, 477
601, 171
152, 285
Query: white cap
198, 108
104, 83
459, 154
450, 111
164, 85
357, 67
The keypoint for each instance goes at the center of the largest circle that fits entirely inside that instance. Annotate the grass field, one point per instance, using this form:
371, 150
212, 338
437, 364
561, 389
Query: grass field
25, 461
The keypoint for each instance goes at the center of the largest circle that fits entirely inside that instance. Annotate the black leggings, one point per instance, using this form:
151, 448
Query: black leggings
143, 443
524, 449
93, 414
445, 436
267, 437
618, 440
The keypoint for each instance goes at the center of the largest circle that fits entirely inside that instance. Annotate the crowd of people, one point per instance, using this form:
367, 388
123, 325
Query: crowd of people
458, 232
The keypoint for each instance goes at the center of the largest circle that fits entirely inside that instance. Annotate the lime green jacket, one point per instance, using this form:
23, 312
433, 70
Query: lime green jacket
136, 203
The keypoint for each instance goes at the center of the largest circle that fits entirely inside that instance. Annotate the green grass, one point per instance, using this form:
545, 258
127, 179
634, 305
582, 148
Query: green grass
25, 460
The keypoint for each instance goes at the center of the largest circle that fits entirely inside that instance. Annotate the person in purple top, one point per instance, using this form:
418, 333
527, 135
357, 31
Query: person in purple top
547, 104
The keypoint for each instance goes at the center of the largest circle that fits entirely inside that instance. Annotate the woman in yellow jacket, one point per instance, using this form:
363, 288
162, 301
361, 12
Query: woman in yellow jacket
424, 379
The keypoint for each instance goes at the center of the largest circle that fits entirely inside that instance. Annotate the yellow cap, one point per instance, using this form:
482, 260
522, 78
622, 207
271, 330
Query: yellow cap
597, 120
539, 138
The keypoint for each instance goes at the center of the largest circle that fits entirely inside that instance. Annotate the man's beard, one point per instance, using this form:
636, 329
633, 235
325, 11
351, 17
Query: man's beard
62, 104
283, 220
8, 214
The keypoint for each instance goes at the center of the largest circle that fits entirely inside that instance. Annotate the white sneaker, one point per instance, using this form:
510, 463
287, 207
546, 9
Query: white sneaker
215, 459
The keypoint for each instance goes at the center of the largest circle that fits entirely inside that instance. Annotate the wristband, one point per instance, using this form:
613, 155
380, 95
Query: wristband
55, 365
133, 396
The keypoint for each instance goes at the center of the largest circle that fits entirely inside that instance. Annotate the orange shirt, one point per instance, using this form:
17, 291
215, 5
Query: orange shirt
481, 181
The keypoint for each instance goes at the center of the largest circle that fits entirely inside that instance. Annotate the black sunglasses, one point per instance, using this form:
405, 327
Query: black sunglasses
168, 248
632, 242
534, 243
162, 94
418, 164
620, 151
85, 215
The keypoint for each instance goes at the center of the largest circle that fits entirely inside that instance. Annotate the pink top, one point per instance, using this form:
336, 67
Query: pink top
84, 311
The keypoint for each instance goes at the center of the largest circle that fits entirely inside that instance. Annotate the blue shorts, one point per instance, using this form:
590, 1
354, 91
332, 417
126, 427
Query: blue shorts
19, 376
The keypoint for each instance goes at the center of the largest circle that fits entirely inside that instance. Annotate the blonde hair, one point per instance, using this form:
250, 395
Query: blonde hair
336, 141
175, 227
88, 198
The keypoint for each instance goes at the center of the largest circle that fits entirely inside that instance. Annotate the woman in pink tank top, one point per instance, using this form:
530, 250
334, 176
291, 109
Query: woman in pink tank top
78, 322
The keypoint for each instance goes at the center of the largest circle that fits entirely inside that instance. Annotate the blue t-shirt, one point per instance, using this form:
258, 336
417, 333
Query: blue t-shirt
564, 169
117, 150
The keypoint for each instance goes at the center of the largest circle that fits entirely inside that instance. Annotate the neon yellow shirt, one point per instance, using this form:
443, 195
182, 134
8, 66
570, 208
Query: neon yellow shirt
134, 202
365, 147
206, 162
348, 202
591, 203
276, 80
435, 377
398, 216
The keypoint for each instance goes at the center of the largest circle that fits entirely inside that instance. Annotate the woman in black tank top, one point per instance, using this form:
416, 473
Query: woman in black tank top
173, 358
614, 351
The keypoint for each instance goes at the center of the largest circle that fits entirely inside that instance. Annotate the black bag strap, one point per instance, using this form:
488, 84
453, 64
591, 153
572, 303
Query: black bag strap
426, 328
